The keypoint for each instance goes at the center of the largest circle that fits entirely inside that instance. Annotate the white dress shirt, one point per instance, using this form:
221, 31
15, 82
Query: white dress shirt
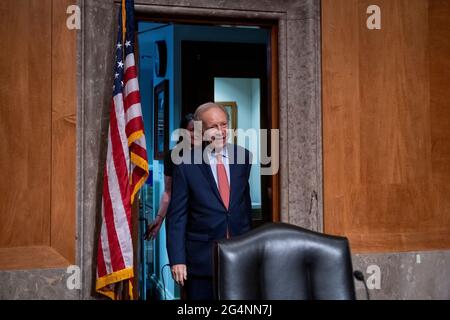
213, 164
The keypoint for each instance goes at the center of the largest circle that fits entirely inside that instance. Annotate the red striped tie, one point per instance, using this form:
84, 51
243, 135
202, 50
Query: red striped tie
224, 186
222, 181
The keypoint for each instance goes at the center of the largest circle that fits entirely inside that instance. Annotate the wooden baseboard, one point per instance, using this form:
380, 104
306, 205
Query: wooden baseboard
36, 257
398, 242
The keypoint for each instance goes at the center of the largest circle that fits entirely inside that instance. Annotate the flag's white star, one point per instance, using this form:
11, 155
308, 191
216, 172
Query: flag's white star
119, 45
127, 43
114, 87
120, 64
121, 82
116, 75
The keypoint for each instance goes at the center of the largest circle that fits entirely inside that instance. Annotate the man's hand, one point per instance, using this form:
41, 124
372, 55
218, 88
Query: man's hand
153, 228
179, 273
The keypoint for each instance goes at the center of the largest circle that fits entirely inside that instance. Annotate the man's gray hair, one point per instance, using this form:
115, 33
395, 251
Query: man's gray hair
205, 107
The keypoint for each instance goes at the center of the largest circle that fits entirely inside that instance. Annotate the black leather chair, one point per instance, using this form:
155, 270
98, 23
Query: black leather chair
283, 262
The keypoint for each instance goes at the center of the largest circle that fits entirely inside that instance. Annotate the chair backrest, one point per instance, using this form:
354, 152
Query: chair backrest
281, 261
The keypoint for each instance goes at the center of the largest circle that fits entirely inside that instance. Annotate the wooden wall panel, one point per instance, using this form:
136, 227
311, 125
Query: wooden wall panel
63, 133
439, 11
25, 122
387, 124
37, 129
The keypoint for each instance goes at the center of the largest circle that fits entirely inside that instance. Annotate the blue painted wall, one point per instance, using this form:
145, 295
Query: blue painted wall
148, 34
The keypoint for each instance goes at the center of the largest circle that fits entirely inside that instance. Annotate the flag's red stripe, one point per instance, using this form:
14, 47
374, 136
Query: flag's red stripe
101, 266
130, 73
137, 174
117, 262
119, 160
141, 152
132, 98
134, 125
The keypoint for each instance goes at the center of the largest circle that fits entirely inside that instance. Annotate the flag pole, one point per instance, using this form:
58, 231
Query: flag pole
124, 22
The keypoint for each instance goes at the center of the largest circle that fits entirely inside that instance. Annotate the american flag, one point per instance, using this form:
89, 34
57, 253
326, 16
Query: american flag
126, 166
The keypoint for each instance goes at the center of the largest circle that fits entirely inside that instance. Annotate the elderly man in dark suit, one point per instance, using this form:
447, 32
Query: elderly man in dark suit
210, 201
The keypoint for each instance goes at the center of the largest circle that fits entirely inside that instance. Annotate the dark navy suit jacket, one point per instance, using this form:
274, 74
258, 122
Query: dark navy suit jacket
197, 216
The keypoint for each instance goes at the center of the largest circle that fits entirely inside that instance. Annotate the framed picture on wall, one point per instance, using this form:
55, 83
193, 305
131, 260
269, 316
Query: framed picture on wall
231, 107
161, 119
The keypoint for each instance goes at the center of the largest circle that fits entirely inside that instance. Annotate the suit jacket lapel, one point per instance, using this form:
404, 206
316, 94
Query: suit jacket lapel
233, 172
233, 180
206, 170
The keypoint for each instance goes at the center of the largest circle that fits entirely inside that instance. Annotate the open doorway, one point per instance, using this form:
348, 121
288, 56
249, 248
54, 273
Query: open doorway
228, 64
233, 74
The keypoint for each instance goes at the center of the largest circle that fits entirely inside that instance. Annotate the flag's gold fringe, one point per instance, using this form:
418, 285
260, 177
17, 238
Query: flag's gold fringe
130, 289
114, 277
139, 161
138, 186
134, 136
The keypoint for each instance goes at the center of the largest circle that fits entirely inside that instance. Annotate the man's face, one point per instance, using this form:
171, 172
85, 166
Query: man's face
215, 126
190, 128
